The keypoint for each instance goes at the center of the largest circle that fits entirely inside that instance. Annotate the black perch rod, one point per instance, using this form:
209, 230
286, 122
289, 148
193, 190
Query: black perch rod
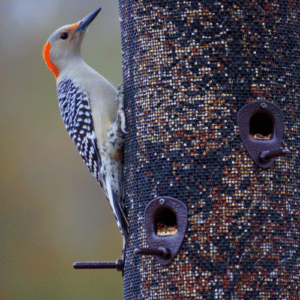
99, 265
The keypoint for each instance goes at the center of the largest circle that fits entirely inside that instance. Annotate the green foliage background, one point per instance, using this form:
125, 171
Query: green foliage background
53, 212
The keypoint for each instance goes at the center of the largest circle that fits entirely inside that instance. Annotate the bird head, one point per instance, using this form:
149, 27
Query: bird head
65, 44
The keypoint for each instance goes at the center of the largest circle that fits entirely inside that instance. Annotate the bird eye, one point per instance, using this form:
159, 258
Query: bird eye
64, 35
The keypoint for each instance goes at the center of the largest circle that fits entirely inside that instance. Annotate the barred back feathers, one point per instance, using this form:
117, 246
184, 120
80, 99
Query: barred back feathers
75, 110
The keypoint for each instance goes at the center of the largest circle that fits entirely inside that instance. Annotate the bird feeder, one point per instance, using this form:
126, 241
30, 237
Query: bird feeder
211, 91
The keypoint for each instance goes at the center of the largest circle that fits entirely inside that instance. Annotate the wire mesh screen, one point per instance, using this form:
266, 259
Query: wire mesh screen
188, 68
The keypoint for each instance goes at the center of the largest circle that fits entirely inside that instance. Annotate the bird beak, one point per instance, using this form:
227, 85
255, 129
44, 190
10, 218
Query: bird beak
84, 23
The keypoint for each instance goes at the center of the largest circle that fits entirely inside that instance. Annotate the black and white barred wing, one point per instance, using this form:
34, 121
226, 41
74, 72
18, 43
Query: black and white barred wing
76, 113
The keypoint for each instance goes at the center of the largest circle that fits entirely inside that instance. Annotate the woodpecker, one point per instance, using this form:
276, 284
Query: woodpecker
92, 111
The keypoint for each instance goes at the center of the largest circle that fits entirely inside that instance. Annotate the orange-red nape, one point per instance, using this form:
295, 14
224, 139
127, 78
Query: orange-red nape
50, 64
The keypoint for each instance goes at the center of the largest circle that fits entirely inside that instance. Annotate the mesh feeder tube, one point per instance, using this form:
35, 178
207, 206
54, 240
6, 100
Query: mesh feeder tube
189, 69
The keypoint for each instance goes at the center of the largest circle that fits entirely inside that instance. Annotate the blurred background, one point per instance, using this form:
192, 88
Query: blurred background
53, 212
